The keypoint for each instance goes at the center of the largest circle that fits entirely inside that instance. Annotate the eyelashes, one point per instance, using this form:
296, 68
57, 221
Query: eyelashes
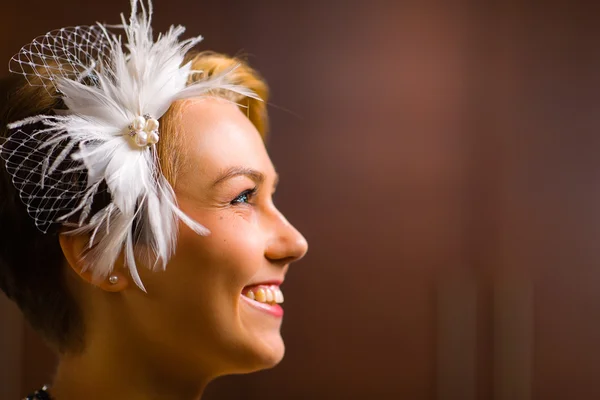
245, 197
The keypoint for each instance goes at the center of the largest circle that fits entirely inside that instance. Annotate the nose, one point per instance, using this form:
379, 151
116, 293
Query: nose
287, 244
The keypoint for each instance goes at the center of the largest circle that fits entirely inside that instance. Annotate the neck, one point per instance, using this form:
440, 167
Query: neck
105, 371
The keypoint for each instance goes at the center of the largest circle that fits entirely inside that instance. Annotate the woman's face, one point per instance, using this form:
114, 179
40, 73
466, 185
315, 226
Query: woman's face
197, 313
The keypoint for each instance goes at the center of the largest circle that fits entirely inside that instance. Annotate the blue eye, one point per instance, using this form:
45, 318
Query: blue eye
244, 197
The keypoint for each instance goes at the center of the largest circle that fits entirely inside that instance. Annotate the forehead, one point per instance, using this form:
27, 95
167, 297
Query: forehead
216, 135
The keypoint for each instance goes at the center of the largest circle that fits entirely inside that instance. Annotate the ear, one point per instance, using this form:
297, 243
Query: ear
73, 247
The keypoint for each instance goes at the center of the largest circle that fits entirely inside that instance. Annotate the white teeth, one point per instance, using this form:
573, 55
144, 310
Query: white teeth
278, 296
266, 295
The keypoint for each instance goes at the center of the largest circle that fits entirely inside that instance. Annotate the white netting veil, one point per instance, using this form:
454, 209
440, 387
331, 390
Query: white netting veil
70, 53
100, 141
50, 184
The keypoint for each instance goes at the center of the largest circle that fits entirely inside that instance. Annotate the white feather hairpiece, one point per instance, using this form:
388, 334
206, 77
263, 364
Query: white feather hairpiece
105, 140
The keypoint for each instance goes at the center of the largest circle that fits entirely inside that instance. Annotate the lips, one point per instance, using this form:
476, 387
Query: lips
265, 297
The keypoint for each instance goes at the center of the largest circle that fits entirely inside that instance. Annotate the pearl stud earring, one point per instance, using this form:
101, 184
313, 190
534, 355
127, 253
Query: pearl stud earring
113, 279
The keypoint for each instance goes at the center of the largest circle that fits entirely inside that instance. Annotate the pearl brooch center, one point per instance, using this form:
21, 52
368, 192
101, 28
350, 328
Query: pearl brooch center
144, 130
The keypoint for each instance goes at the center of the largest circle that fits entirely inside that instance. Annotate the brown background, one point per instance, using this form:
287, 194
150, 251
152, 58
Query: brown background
443, 162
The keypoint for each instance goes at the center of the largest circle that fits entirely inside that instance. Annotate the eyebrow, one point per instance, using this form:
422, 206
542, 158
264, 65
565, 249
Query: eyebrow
257, 176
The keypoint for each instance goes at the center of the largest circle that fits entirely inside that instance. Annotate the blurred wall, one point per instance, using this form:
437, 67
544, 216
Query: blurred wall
442, 161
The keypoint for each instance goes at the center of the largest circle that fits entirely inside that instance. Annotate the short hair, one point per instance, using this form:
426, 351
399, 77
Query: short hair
32, 264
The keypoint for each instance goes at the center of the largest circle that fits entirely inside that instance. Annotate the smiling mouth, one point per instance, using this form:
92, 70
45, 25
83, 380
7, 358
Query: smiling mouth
264, 294
265, 298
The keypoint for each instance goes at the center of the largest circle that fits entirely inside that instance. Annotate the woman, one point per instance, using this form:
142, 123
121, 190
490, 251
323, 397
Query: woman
140, 235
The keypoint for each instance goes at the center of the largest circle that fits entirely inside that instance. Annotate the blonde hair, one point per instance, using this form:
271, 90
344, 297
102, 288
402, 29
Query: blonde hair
211, 63
31, 263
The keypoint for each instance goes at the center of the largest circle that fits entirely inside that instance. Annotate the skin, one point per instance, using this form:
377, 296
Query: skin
191, 326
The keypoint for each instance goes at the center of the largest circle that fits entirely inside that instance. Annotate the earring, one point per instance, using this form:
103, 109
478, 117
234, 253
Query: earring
113, 279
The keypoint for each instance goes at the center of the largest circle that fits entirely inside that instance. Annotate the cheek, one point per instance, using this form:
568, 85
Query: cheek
203, 280
230, 256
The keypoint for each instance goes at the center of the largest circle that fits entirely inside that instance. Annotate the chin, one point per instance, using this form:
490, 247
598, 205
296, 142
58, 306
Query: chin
266, 355
274, 355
